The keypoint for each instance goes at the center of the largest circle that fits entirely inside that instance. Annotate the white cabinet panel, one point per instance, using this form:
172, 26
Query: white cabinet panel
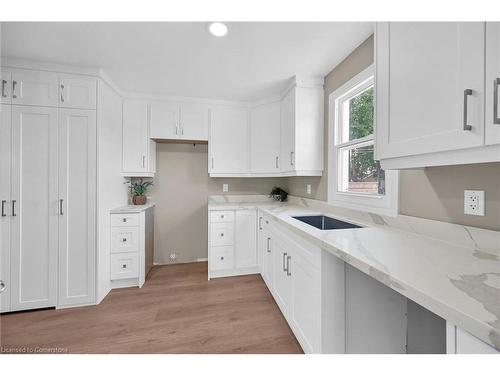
124, 266
459, 341
228, 144
222, 216
31, 87
287, 132
221, 258
265, 138
424, 70
77, 92
164, 120
267, 258
492, 98
194, 122
282, 281
77, 206
5, 201
34, 190
245, 247
221, 234
124, 239
5, 86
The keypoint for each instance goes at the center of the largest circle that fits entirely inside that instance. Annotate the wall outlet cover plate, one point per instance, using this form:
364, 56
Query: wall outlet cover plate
474, 202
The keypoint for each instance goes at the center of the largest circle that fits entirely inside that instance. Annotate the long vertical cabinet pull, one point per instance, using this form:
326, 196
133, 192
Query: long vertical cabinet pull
4, 82
62, 93
13, 207
212, 163
291, 157
284, 260
14, 84
61, 211
260, 222
2, 286
277, 162
467, 93
288, 273
268, 244
496, 119
3, 208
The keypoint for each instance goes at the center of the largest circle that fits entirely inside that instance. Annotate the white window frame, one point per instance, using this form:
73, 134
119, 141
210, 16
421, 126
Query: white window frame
381, 204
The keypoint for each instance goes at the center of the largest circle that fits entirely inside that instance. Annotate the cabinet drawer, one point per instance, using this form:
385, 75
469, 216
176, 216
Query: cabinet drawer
124, 220
221, 258
124, 239
221, 216
221, 234
124, 266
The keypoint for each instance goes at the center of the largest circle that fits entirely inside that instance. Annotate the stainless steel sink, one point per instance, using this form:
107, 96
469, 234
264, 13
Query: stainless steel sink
325, 223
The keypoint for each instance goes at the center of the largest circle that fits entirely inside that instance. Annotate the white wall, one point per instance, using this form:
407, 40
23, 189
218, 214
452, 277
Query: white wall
111, 190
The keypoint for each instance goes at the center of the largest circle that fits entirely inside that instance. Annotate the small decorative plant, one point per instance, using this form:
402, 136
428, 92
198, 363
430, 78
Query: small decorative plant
138, 190
279, 194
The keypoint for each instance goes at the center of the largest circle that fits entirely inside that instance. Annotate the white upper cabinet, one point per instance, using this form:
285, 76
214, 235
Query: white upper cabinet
31, 87
492, 115
265, 138
164, 120
228, 143
431, 94
302, 128
77, 92
139, 152
184, 121
6, 86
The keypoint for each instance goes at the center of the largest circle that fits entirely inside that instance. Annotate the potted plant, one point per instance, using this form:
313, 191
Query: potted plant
138, 190
278, 194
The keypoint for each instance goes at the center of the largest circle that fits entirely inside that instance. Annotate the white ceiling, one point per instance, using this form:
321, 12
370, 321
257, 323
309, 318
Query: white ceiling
253, 61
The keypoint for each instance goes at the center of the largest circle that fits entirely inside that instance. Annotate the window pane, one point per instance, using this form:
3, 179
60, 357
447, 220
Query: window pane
360, 173
361, 114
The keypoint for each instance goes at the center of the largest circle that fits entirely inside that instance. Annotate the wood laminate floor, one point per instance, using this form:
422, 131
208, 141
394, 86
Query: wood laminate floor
177, 311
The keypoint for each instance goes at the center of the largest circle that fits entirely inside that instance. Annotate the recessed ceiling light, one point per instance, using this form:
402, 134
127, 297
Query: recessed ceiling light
217, 29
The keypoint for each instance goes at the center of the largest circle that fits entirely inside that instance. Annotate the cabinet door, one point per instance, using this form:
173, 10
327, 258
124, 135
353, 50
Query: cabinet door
77, 201
5, 216
282, 282
228, 140
492, 98
288, 132
245, 239
77, 92
6, 86
306, 303
31, 87
268, 270
265, 138
35, 208
164, 122
194, 122
424, 72
135, 136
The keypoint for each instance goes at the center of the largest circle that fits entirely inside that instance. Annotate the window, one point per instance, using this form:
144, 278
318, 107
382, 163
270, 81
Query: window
356, 179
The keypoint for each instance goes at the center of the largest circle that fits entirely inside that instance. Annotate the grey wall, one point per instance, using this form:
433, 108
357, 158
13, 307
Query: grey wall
433, 193
181, 189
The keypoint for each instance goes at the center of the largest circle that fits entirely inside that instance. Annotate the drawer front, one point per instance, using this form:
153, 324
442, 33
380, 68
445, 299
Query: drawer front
221, 258
124, 220
221, 216
124, 266
124, 239
221, 234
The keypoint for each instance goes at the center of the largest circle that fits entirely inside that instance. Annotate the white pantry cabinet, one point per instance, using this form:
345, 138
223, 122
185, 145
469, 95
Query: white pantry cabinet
302, 128
77, 206
228, 141
179, 121
431, 93
265, 138
492, 115
139, 151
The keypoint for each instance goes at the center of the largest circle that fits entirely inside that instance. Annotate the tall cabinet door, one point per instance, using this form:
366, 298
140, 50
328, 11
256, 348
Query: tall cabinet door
77, 92
430, 87
135, 136
194, 122
35, 208
265, 138
5, 218
77, 206
492, 83
245, 247
164, 121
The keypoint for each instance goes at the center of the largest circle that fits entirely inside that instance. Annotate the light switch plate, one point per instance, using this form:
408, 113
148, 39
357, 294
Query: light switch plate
474, 202
225, 188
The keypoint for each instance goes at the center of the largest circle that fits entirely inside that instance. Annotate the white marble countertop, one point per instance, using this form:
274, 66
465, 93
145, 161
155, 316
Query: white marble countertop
457, 279
132, 208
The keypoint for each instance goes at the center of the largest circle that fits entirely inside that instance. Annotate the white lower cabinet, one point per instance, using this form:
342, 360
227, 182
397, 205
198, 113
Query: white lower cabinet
459, 341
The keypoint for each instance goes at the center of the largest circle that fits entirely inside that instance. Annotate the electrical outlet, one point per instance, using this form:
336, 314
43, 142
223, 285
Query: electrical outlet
474, 202
308, 188
173, 257
225, 188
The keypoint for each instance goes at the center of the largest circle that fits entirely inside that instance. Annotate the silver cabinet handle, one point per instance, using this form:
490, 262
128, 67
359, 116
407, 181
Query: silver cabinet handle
182, 129
222, 216
277, 162
467, 93
222, 234
143, 161
268, 244
260, 223
2, 286
124, 240
14, 84
176, 129
284, 266
124, 220
212, 163
62, 93
124, 266
292, 157
496, 83
61, 211
3, 208
288, 273
13, 207
221, 258
4, 82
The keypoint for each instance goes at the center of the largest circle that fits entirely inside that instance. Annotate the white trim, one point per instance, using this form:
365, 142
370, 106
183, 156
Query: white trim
387, 204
